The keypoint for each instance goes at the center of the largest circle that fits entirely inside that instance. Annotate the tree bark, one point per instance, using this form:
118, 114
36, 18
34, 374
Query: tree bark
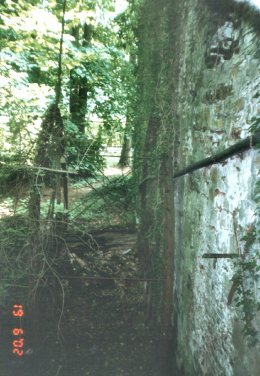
79, 82
78, 99
124, 160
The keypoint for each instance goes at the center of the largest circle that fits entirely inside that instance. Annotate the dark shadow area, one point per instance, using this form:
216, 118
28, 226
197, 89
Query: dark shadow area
102, 329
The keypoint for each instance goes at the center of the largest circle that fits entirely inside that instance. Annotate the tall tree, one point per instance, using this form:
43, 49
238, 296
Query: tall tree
127, 22
78, 78
95, 80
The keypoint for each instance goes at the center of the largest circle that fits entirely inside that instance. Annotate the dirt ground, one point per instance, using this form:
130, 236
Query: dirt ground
96, 324
103, 329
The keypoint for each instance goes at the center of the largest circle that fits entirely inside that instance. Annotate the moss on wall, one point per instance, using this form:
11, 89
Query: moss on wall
198, 80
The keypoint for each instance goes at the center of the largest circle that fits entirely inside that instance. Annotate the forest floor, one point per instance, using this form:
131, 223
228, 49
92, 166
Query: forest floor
104, 327
104, 331
96, 324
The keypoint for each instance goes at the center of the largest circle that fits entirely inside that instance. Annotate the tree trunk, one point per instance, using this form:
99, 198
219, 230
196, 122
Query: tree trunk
78, 82
78, 99
124, 160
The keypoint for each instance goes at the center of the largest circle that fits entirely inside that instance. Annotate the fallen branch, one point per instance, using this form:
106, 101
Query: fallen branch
53, 170
42, 168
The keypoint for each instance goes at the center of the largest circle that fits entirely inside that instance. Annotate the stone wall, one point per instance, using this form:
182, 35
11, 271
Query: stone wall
206, 95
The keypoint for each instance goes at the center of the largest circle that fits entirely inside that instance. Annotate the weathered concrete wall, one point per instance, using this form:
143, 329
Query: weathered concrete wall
212, 78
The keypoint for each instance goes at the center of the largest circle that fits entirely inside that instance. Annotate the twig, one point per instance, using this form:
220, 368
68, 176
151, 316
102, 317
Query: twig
59, 78
58, 370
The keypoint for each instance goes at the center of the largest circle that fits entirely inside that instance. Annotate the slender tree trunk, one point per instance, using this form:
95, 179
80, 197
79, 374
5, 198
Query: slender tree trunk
127, 139
78, 99
124, 160
79, 83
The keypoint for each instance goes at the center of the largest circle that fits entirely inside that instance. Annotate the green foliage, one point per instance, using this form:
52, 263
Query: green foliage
255, 124
246, 281
83, 152
13, 176
92, 54
120, 191
110, 204
108, 77
14, 255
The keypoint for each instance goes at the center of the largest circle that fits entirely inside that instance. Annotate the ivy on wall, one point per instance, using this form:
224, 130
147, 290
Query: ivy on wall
246, 277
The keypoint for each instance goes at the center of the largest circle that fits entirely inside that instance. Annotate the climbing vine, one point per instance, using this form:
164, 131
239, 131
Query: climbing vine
246, 281
247, 269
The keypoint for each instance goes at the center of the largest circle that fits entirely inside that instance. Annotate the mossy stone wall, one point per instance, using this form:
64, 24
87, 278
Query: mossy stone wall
199, 90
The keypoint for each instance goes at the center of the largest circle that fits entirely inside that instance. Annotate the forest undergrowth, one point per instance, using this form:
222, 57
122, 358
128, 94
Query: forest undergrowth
85, 309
